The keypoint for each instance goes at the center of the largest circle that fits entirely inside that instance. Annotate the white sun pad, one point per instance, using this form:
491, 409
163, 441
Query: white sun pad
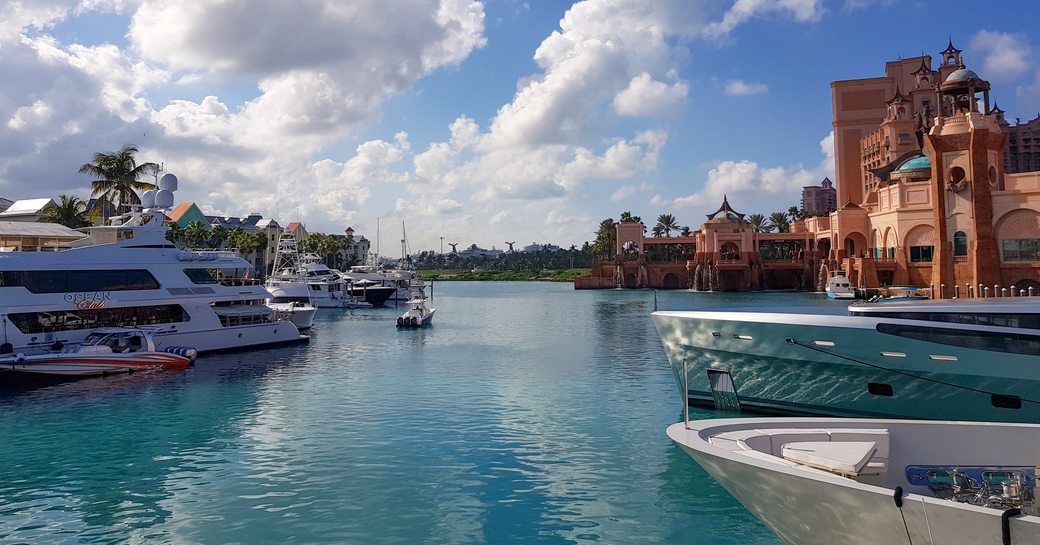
843, 457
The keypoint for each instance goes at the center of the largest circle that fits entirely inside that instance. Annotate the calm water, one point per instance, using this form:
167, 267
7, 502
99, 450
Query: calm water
528, 413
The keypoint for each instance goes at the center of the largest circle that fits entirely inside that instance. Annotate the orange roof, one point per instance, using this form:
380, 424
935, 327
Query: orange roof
179, 210
293, 226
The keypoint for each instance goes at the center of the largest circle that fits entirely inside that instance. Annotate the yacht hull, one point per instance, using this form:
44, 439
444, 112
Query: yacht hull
782, 364
804, 506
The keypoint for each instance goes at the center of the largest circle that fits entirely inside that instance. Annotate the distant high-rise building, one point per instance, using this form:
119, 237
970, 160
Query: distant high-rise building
1022, 153
820, 198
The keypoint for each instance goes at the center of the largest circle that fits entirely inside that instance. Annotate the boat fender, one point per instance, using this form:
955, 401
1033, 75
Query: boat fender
6, 348
1005, 524
897, 497
57, 346
19, 357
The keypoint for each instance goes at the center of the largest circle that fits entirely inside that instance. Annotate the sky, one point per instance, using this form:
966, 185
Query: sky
467, 121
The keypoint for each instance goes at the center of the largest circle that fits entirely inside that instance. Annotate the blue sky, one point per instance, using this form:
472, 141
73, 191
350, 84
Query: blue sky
477, 121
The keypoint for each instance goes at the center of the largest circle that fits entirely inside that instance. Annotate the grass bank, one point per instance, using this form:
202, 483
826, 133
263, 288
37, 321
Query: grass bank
564, 275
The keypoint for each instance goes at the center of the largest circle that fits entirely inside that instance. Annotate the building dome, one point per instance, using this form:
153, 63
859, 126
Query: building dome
919, 162
962, 75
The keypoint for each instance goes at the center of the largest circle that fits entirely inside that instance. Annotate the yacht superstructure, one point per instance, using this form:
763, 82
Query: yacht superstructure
965, 359
130, 275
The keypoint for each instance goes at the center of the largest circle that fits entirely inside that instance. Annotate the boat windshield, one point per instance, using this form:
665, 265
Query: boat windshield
94, 339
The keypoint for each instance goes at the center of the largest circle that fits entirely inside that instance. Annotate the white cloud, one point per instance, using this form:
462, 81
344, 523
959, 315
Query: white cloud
752, 188
740, 88
623, 193
1005, 56
1029, 95
645, 97
743, 10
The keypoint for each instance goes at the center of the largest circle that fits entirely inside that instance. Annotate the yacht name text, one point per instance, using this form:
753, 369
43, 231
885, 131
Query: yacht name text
89, 299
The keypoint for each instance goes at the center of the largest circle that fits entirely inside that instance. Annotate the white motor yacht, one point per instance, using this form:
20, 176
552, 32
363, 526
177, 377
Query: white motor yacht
304, 279
866, 482
130, 275
962, 359
839, 287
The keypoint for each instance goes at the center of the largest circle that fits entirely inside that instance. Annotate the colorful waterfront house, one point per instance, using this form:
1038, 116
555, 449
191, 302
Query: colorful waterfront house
187, 212
27, 236
297, 229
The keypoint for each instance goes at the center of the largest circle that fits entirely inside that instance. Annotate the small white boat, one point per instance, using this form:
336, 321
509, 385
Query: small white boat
418, 314
103, 352
300, 314
863, 482
838, 286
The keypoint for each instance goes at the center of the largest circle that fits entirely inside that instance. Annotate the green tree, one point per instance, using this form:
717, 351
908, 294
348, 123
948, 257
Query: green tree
667, 223
627, 217
70, 211
175, 232
196, 234
606, 239
218, 236
759, 223
118, 178
780, 222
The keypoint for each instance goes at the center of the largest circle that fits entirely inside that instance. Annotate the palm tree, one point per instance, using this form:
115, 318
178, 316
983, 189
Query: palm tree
658, 231
779, 220
118, 177
218, 235
759, 223
667, 223
70, 212
175, 232
196, 234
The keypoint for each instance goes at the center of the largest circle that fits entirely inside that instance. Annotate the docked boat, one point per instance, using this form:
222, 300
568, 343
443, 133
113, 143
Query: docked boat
104, 351
838, 286
299, 313
418, 314
961, 359
304, 279
130, 275
865, 481
899, 293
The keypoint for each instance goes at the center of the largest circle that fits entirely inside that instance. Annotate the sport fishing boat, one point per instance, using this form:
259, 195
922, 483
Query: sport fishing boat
129, 275
962, 359
104, 351
418, 314
838, 286
864, 482
304, 279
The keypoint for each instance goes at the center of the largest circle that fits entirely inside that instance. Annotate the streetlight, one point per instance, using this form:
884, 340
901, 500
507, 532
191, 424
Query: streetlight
442, 245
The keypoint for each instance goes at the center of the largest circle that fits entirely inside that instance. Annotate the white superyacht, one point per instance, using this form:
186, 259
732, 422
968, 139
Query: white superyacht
961, 359
130, 275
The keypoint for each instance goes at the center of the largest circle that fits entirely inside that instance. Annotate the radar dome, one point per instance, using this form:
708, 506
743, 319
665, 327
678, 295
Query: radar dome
168, 181
164, 198
148, 198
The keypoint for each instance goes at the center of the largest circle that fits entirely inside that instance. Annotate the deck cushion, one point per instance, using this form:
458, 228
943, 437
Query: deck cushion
842, 457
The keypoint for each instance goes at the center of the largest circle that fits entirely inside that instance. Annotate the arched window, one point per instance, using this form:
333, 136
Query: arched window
960, 243
729, 252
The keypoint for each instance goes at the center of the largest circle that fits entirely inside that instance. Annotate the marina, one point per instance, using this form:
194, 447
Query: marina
527, 413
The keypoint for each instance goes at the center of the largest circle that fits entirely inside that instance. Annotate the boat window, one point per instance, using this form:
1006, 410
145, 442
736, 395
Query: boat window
1010, 343
920, 254
200, 276
80, 280
1024, 321
65, 320
960, 243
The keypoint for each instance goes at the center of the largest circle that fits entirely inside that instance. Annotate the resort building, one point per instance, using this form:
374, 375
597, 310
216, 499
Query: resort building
25, 210
820, 198
924, 198
1023, 150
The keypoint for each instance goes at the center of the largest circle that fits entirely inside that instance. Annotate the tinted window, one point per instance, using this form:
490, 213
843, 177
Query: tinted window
1026, 321
200, 276
79, 281
920, 254
1012, 343
65, 320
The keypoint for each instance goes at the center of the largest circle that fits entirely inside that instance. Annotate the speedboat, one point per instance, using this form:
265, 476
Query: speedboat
102, 352
128, 274
300, 314
865, 481
962, 359
418, 314
838, 286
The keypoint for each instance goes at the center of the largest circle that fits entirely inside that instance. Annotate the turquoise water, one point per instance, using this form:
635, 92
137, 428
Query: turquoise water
528, 413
